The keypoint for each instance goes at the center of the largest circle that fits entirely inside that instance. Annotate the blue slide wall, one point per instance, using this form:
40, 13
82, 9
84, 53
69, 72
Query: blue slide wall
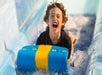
95, 50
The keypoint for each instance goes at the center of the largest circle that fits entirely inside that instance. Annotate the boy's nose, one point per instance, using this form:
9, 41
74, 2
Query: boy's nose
55, 17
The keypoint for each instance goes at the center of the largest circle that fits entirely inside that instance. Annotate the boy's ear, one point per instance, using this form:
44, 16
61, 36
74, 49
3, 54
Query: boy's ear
63, 23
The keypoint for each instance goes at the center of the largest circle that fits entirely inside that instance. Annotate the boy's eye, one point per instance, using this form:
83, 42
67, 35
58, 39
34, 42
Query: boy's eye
52, 15
58, 16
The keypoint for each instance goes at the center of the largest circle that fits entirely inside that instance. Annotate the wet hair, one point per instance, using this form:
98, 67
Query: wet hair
61, 7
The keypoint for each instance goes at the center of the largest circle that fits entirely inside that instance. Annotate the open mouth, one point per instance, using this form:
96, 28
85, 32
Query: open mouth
55, 25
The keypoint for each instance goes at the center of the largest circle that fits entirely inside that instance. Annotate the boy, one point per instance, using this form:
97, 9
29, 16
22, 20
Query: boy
56, 18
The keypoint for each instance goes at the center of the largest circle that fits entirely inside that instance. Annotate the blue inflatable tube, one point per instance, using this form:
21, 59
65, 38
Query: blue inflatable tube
45, 57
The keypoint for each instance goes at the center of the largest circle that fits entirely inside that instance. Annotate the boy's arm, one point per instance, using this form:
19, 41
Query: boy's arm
72, 37
73, 40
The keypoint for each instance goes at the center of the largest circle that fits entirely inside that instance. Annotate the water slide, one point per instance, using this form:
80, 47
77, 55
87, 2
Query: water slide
20, 25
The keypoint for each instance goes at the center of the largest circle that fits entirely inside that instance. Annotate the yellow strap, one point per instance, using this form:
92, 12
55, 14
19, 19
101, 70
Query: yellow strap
42, 57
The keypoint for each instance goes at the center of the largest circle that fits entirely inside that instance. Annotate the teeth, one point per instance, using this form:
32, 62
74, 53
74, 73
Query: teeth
55, 25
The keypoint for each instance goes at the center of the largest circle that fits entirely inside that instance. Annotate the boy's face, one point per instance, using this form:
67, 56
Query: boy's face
55, 20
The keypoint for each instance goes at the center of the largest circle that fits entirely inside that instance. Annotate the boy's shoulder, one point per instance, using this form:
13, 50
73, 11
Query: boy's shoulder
65, 35
44, 33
